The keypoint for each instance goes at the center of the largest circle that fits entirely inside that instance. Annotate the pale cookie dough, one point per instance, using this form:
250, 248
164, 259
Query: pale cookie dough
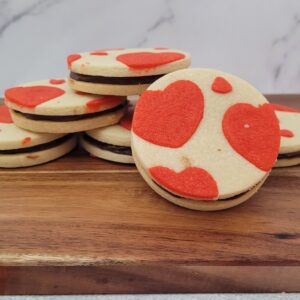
201, 134
122, 71
112, 143
22, 148
289, 122
51, 106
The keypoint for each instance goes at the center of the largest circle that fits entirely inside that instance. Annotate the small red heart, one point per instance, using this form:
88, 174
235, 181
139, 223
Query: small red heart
57, 81
192, 182
285, 108
71, 58
99, 53
26, 140
286, 133
253, 132
221, 85
144, 60
5, 116
105, 103
31, 96
170, 117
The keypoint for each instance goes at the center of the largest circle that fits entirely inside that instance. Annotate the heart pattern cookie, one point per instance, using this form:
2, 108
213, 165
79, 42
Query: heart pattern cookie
201, 134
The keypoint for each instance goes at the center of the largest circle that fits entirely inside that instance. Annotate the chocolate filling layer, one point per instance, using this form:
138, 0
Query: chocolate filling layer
289, 155
115, 80
108, 147
71, 117
37, 148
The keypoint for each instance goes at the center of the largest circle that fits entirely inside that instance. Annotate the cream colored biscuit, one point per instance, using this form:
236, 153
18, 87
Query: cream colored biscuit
107, 63
38, 157
70, 126
69, 103
287, 162
104, 154
107, 89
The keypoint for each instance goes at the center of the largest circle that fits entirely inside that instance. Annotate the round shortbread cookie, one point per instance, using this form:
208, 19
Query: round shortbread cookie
289, 122
22, 148
123, 71
111, 142
52, 106
202, 134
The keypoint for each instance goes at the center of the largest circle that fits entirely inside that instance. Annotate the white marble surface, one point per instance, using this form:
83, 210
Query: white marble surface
256, 39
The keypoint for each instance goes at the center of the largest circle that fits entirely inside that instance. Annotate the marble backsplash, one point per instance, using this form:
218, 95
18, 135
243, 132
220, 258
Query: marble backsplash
258, 40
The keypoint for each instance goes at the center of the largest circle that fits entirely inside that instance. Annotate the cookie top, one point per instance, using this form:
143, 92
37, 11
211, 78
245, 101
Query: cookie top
289, 122
55, 97
204, 134
13, 137
119, 134
128, 62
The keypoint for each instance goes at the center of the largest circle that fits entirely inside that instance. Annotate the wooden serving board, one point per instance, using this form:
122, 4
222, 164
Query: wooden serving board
83, 225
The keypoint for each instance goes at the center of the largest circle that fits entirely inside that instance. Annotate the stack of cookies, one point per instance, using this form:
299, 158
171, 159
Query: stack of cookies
201, 138
92, 101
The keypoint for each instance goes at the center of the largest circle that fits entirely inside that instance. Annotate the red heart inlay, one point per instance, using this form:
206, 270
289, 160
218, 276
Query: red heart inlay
253, 132
107, 102
99, 53
144, 60
71, 58
5, 116
170, 117
221, 85
286, 133
57, 81
26, 140
31, 96
192, 182
280, 107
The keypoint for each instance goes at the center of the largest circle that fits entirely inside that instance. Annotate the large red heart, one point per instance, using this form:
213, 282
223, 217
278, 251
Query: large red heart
169, 117
31, 96
144, 60
253, 132
192, 182
5, 116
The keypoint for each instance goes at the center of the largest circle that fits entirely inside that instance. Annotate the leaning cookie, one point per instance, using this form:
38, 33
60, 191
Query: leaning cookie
289, 122
51, 106
123, 71
22, 148
112, 142
204, 139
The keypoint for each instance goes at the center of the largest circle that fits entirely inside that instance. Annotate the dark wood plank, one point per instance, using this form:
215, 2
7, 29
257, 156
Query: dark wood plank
83, 225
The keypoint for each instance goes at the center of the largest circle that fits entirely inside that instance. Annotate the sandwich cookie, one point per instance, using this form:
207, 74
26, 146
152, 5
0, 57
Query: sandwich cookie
52, 106
111, 142
289, 122
22, 148
204, 139
122, 71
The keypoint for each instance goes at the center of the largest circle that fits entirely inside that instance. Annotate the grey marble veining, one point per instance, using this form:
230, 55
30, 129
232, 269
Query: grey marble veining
258, 40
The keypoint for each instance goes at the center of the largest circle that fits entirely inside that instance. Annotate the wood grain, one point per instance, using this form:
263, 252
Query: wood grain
83, 225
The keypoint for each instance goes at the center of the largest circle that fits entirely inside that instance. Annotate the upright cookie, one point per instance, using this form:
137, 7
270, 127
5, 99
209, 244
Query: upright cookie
21, 148
289, 122
123, 71
112, 142
204, 139
52, 106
